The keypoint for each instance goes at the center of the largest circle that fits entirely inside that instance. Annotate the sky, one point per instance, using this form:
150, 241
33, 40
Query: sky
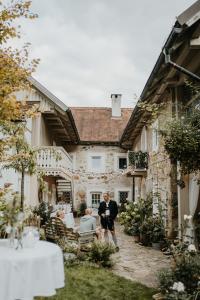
90, 49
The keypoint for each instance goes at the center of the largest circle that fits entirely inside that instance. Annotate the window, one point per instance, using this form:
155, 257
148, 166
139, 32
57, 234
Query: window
122, 163
123, 195
96, 162
96, 198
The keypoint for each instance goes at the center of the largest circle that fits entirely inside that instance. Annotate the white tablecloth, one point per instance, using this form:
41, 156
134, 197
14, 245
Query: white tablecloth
69, 220
30, 272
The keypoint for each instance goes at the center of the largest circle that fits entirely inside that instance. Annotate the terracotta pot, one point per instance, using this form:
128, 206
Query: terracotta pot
136, 238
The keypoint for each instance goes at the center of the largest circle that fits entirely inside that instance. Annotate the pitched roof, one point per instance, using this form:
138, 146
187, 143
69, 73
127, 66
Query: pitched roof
59, 119
95, 124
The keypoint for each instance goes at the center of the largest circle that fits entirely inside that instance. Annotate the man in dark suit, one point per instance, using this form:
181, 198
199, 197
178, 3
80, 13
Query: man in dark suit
108, 211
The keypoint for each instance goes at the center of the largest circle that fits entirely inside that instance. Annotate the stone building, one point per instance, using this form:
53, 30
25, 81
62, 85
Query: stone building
98, 160
166, 87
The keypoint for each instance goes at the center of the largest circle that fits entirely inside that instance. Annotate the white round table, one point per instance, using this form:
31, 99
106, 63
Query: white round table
30, 272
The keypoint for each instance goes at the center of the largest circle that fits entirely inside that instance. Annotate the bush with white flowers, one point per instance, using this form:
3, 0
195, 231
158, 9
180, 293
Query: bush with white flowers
182, 280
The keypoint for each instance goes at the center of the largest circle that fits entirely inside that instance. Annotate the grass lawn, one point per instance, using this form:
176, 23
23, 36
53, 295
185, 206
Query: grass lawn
91, 283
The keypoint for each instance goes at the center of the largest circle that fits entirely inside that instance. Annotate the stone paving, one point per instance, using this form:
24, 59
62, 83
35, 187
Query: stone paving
137, 262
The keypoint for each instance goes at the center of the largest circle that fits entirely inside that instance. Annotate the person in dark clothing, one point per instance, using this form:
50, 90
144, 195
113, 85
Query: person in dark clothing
108, 211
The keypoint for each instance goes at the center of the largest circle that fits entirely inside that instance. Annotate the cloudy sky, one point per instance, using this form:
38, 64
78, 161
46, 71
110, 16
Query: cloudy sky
92, 48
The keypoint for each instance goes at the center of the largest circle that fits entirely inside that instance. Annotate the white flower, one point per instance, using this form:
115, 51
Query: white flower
187, 217
178, 286
192, 248
1, 214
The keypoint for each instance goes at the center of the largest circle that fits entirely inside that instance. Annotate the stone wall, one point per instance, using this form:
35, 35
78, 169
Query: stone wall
109, 179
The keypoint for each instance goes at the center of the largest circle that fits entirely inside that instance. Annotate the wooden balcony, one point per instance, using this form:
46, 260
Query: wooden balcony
54, 161
137, 164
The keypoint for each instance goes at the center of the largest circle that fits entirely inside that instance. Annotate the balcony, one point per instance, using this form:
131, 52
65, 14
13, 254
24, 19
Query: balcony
137, 163
54, 161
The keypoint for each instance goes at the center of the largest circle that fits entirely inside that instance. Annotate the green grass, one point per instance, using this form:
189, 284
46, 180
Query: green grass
91, 283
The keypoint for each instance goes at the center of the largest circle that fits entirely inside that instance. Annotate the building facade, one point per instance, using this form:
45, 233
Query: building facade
167, 90
99, 161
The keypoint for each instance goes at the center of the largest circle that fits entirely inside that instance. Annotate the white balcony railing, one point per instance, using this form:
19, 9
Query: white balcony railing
54, 161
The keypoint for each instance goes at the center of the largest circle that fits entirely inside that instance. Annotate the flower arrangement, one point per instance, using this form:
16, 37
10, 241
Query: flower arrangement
12, 218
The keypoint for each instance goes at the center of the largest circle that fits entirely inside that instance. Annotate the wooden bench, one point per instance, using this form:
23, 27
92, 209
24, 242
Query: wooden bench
57, 232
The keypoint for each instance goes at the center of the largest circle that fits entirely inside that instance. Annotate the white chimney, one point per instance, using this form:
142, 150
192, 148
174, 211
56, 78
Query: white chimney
116, 105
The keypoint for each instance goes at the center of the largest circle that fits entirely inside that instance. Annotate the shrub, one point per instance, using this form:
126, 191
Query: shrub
186, 272
182, 141
166, 279
44, 211
100, 254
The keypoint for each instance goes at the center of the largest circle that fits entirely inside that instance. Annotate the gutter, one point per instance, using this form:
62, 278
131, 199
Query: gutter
177, 67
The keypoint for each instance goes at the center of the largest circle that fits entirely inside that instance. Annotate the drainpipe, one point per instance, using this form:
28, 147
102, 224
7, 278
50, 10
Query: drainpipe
177, 67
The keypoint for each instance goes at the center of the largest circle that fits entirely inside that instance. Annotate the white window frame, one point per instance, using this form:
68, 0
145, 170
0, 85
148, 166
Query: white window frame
94, 190
90, 168
155, 136
116, 160
97, 193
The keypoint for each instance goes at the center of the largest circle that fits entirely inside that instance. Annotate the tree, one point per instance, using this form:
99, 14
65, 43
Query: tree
15, 68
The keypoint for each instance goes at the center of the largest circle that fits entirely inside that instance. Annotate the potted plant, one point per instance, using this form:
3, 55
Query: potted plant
145, 231
158, 233
136, 231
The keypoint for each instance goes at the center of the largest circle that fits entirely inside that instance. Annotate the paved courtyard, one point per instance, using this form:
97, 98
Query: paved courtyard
136, 262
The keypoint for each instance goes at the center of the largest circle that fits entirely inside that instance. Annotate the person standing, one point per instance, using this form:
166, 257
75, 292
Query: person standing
108, 211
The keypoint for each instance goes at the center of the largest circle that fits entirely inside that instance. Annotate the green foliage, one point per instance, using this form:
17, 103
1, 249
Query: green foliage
44, 211
182, 141
138, 159
186, 270
85, 282
131, 218
100, 254
138, 219
166, 280
158, 230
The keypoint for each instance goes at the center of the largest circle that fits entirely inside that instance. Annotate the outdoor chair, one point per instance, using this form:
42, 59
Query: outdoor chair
57, 232
85, 239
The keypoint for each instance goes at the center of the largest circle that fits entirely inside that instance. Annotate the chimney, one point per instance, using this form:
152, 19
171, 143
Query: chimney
116, 105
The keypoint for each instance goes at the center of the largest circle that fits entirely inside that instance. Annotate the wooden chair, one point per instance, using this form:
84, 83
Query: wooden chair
51, 232
57, 232
85, 239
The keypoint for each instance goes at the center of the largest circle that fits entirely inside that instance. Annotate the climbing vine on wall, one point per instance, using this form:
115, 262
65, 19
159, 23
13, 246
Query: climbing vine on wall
182, 141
